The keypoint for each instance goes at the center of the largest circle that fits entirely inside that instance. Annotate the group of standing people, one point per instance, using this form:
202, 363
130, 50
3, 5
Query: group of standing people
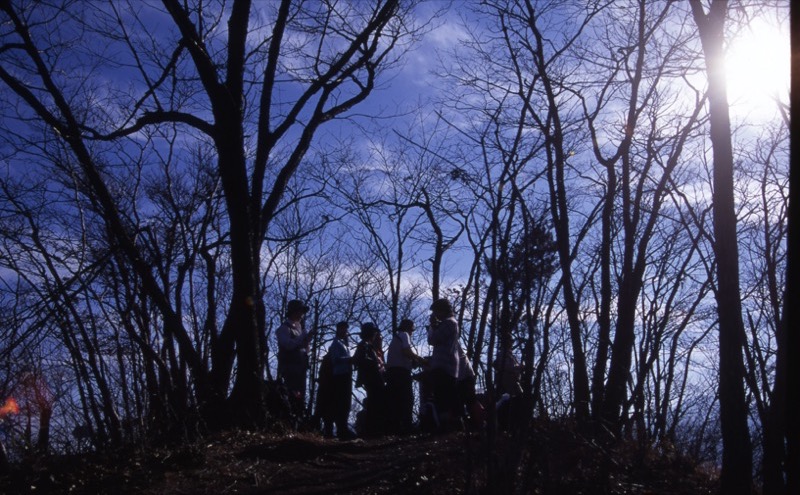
385, 377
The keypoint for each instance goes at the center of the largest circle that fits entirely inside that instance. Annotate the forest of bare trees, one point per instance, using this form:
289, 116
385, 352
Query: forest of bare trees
568, 173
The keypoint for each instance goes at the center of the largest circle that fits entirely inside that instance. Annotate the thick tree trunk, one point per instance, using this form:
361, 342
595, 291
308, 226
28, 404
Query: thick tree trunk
242, 320
620, 368
737, 464
774, 427
791, 298
43, 440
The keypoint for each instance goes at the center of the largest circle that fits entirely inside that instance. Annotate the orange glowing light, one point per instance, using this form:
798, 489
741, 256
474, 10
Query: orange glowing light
10, 407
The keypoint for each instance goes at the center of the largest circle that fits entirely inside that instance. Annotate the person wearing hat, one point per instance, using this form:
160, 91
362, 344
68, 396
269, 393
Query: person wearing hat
370, 371
293, 343
443, 336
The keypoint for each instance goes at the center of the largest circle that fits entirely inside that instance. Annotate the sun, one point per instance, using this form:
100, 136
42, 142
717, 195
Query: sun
757, 65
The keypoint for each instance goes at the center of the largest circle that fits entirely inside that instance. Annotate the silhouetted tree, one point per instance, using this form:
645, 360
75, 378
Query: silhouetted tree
737, 457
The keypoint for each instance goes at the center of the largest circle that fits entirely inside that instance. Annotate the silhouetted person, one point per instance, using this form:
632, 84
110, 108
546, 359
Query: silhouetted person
400, 360
370, 371
293, 343
341, 381
443, 336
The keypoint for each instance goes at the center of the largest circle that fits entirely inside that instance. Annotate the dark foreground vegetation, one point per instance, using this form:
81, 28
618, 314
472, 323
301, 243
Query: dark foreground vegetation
555, 459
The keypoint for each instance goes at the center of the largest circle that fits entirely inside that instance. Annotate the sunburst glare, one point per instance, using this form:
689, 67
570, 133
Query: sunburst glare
758, 68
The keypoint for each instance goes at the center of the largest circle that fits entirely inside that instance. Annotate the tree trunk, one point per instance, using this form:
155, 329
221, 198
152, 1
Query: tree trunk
43, 440
737, 463
790, 313
774, 426
604, 318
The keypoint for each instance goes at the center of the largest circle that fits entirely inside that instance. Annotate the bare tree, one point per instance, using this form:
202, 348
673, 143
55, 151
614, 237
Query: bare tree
763, 206
737, 463
635, 71
385, 201
222, 85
